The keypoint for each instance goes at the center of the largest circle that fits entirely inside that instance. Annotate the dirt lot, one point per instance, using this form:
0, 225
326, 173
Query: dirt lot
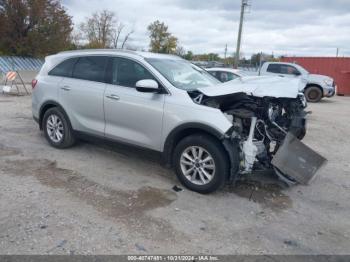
94, 199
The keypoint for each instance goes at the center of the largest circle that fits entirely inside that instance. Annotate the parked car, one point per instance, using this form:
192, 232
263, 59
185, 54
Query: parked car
211, 133
208, 64
316, 86
224, 74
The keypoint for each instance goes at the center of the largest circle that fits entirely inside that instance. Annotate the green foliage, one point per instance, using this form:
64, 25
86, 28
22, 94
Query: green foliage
189, 55
207, 57
33, 27
255, 58
161, 40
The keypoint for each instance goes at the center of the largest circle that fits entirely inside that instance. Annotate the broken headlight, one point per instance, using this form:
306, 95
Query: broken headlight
302, 100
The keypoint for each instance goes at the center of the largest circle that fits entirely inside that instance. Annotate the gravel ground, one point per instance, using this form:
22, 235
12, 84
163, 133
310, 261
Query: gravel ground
98, 199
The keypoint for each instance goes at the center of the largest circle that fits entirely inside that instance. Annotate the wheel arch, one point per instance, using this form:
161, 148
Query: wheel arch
46, 106
315, 85
183, 131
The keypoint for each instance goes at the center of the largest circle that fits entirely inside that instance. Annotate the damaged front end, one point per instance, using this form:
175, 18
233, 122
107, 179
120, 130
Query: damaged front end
266, 134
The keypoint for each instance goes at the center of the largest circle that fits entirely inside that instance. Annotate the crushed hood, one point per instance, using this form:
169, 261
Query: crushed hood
260, 86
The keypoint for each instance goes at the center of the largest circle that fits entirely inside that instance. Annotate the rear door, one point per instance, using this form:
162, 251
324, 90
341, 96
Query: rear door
131, 116
81, 94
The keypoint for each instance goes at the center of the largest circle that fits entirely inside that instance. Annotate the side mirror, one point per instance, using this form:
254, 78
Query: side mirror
147, 86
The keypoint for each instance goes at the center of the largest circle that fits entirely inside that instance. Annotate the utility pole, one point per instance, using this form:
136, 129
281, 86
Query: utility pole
225, 53
260, 61
337, 52
243, 7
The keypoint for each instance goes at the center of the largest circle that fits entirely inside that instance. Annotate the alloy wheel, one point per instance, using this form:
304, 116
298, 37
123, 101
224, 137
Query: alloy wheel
54, 127
197, 165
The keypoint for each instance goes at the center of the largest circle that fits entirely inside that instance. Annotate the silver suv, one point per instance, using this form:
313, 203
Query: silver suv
166, 104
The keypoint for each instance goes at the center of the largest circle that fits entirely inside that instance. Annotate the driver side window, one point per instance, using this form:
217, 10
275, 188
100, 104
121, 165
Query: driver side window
289, 70
126, 72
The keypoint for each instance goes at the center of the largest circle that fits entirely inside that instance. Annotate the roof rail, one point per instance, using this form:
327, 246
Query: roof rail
99, 50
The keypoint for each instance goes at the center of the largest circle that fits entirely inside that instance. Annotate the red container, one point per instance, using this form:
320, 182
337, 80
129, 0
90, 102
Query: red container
335, 67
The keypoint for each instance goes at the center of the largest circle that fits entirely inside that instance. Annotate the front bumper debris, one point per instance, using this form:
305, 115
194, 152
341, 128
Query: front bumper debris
297, 160
330, 91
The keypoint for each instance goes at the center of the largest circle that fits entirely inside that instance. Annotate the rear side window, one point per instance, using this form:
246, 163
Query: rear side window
65, 68
91, 68
126, 72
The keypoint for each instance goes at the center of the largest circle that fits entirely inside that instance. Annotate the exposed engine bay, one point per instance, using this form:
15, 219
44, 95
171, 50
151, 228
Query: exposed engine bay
259, 128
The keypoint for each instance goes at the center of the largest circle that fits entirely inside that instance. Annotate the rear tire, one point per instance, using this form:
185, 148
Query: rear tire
313, 94
57, 129
201, 163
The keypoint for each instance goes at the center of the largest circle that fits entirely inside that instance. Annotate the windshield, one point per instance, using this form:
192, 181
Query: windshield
183, 74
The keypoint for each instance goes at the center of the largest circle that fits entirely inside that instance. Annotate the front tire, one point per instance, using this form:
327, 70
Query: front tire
57, 129
313, 94
201, 163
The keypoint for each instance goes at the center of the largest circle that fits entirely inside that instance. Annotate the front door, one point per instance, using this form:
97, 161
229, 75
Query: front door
131, 116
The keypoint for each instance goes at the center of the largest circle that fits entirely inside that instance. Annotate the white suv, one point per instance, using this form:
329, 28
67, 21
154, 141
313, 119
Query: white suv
209, 132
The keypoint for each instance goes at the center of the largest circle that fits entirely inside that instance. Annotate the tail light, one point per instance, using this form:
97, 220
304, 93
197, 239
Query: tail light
34, 82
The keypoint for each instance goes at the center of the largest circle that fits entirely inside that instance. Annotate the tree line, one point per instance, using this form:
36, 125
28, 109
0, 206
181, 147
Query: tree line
42, 27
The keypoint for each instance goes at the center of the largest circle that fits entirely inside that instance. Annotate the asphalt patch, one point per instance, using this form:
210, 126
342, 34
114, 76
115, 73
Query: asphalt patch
8, 151
129, 206
268, 195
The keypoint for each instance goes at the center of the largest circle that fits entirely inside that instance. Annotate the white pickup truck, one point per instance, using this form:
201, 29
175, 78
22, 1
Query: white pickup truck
316, 86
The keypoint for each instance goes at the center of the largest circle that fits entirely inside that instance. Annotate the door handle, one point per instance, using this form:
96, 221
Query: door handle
113, 96
66, 88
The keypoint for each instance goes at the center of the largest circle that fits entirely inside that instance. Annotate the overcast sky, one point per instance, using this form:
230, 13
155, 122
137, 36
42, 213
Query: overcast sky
284, 27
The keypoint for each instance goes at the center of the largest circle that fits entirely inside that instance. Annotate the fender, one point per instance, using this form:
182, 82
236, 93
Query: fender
183, 130
316, 85
48, 104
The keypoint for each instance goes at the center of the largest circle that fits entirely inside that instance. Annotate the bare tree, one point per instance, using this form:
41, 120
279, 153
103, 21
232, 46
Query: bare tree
180, 51
104, 30
98, 29
116, 34
126, 37
76, 38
